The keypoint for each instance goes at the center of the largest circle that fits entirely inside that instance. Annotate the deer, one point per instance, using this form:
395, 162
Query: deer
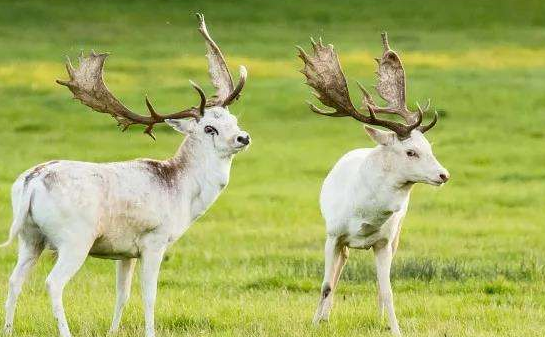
125, 211
365, 196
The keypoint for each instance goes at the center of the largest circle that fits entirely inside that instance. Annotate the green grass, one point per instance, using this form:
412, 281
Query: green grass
471, 260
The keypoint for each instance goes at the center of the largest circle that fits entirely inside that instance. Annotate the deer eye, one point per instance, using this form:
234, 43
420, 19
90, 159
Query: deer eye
211, 130
412, 153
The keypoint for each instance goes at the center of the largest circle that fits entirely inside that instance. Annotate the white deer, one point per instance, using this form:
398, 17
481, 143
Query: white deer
126, 210
365, 196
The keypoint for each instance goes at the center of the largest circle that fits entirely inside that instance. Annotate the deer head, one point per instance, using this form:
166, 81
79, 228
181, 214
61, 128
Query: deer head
404, 146
210, 122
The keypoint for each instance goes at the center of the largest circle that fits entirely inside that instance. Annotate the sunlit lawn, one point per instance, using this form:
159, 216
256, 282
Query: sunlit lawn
471, 256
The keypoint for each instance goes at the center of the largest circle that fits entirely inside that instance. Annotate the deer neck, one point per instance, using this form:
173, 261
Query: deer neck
383, 169
202, 163
205, 174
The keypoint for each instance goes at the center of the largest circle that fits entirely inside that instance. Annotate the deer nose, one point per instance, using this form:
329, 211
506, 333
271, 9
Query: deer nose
444, 177
243, 140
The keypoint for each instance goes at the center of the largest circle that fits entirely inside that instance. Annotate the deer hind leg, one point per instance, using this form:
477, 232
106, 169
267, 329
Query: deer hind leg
29, 252
124, 273
69, 261
335, 259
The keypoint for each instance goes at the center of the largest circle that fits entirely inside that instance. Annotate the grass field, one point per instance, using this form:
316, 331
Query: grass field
471, 260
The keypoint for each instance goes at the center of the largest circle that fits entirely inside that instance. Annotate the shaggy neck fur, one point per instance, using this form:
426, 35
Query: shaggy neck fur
202, 174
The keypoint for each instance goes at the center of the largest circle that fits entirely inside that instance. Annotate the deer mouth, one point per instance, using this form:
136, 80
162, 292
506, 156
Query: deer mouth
436, 182
241, 147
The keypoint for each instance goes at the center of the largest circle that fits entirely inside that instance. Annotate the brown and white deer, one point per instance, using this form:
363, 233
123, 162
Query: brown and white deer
125, 210
365, 196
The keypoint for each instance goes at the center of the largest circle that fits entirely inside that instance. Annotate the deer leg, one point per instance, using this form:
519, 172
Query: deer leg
380, 304
341, 255
29, 252
383, 261
124, 273
341, 262
69, 261
150, 265
326, 295
395, 245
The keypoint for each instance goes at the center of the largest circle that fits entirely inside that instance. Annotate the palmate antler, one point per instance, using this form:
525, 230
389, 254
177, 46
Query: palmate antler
87, 84
324, 74
220, 76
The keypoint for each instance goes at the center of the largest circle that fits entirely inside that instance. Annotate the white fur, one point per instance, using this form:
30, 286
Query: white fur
123, 211
363, 201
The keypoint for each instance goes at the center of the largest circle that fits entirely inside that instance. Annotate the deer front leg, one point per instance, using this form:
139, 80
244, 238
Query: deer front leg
383, 261
342, 258
124, 272
150, 265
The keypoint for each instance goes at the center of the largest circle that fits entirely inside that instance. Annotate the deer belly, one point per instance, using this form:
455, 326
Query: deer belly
367, 237
115, 248
120, 241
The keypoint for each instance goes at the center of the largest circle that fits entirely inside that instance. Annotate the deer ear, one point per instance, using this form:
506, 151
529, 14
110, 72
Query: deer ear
381, 137
184, 126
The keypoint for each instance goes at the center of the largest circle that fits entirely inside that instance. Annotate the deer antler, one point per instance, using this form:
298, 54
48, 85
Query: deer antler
220, 76
391, 87
324, 74
87, 84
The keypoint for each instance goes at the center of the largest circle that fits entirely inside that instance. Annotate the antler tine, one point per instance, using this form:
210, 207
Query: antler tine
371, 111
154, 115
323, 112
419, 118
302, 55
425, 128
428, 104
235, 94
202, 105
367, 98
384, 36
149, 131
